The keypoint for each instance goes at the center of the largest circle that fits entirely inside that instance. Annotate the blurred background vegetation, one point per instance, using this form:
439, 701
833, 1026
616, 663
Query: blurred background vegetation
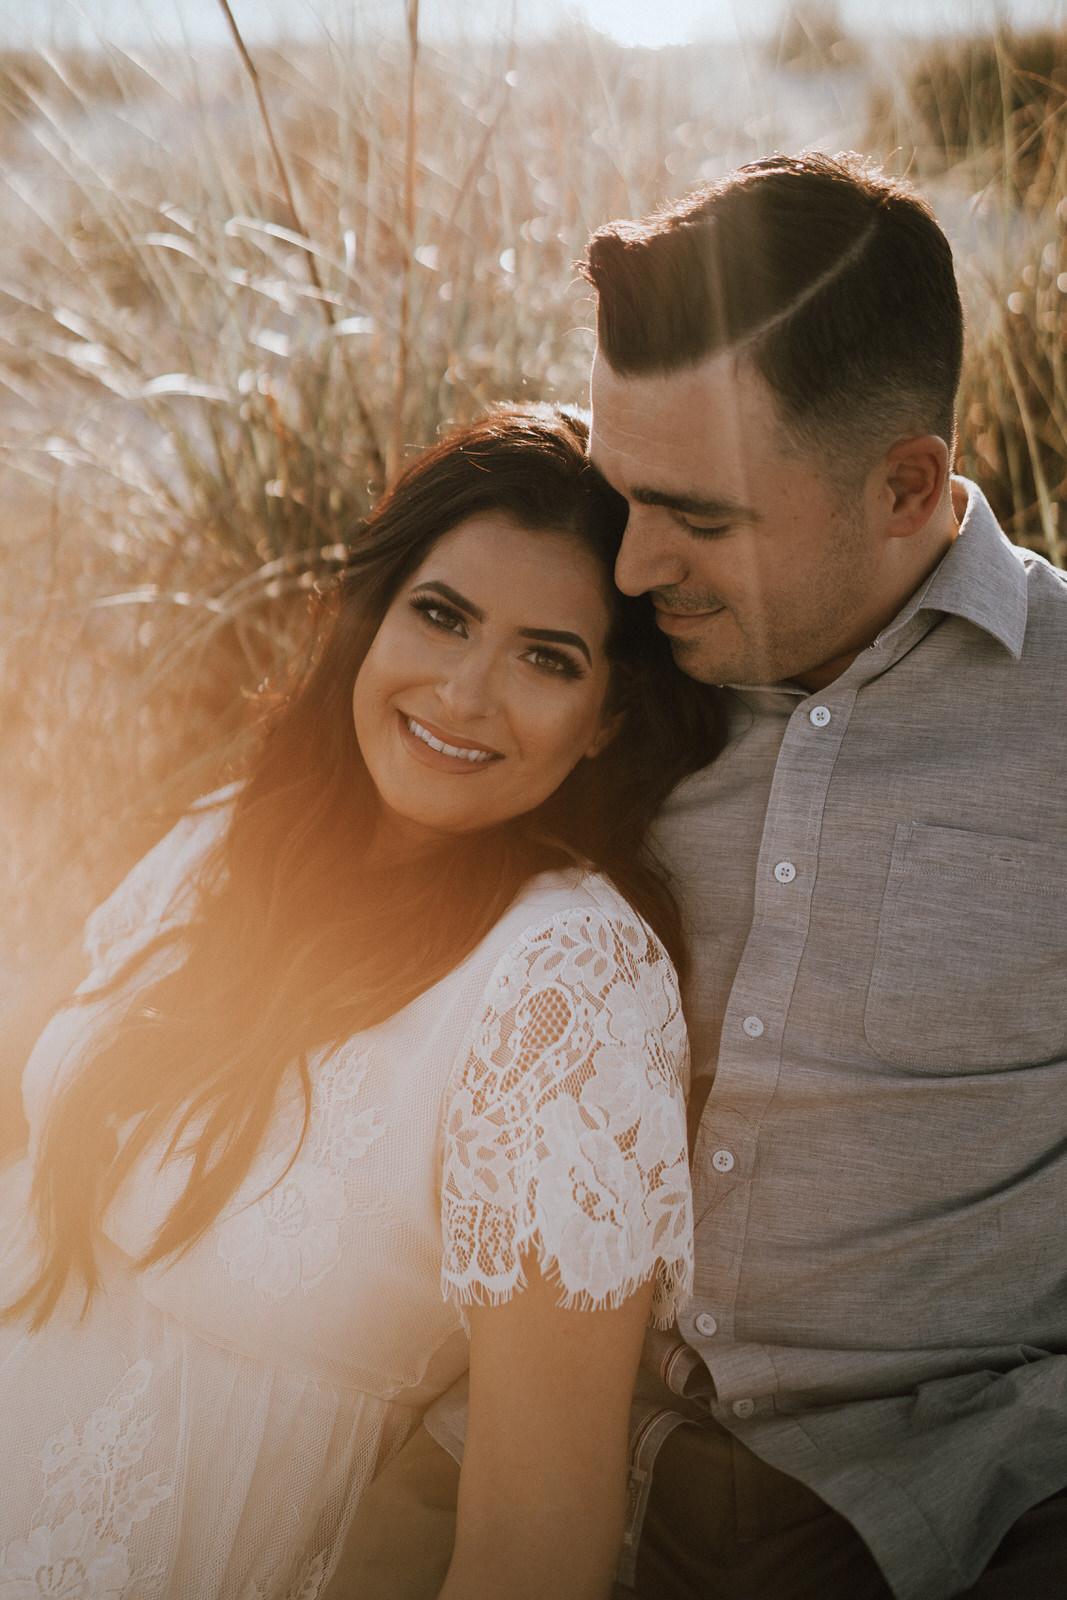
236, 291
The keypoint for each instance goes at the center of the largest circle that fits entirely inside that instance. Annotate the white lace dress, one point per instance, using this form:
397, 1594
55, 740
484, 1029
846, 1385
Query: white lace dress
207, 1430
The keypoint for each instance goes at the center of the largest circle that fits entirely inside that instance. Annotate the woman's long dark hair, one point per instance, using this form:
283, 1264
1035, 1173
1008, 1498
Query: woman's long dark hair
299, 941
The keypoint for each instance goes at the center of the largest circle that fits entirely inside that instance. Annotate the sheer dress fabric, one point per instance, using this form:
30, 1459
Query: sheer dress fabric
205, 1432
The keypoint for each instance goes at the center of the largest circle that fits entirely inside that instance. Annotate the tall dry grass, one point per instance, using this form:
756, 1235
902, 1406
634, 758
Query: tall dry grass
234, 293
982, 123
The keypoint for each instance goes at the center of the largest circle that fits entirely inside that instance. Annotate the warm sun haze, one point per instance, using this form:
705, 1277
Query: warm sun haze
391, 1032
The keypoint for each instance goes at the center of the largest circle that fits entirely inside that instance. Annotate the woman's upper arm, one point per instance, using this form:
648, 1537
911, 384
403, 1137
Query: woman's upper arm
565, 1210
542, 1490
157, 892
22, 1020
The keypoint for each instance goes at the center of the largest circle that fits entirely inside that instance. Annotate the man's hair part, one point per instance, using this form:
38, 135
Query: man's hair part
832, 278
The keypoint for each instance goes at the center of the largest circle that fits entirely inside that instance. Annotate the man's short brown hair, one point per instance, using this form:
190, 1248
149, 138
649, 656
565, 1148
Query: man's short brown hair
835, 280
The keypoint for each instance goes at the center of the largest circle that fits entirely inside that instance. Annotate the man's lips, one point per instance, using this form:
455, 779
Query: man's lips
437, 747
683, 623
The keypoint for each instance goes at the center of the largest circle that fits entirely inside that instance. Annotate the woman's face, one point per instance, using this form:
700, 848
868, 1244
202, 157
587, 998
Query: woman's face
486, 681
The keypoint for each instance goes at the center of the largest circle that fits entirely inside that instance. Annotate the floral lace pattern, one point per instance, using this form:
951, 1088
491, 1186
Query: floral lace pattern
308, 1585
565, 1132
311, 1579
290, 1237
95, 1492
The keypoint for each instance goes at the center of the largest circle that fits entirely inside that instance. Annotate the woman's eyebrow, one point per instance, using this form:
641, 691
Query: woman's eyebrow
448, 593
557, 636
544, 635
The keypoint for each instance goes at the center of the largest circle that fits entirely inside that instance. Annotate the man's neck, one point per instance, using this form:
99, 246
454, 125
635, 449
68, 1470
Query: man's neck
919, 558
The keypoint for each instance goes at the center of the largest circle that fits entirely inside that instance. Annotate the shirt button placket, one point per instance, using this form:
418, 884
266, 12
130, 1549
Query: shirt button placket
750, 1058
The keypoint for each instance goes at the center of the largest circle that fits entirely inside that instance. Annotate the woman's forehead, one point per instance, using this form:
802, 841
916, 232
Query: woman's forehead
522, 574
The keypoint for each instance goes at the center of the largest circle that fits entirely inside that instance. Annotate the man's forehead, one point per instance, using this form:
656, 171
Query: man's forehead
664, 423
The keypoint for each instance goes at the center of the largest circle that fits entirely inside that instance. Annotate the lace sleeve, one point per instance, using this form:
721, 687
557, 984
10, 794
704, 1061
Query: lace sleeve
564, 1132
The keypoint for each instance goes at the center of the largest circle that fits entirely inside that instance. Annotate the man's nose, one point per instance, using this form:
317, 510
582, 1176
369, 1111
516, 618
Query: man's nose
649, 557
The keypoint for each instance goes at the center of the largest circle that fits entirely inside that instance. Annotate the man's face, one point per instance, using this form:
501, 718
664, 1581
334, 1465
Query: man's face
757, 570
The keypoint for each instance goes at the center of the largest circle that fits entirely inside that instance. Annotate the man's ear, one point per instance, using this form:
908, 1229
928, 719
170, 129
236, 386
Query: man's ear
912, 477
604, 735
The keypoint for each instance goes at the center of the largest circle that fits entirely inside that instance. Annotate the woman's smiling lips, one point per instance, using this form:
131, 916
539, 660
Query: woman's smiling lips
445, 752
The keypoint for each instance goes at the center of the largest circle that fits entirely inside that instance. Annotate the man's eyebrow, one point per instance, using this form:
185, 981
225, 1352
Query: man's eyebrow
695, 505
545, 635
557, 636
446, 592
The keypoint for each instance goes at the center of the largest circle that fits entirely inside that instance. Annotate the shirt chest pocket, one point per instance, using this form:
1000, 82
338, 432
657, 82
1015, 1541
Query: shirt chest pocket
970, 969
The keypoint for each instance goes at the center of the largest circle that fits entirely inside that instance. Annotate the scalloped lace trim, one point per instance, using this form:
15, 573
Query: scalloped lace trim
565, 1131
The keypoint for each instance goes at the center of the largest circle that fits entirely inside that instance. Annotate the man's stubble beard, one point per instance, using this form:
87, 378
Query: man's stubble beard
781, 651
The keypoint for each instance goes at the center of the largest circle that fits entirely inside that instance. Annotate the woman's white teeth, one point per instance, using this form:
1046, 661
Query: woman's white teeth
446, 749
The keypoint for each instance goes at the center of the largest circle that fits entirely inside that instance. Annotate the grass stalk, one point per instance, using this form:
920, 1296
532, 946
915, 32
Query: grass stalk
278, 159
282, 171
395, 453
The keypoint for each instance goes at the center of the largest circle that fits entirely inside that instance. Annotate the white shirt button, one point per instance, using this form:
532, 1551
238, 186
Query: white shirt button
753, 1027
723, 1161
706, 1324
819, 716
743, 1408
785, 872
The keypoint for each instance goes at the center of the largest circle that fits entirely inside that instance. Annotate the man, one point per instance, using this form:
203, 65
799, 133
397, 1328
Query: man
867, 1394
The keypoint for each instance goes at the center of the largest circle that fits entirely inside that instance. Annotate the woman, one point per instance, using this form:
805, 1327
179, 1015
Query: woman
378, 1048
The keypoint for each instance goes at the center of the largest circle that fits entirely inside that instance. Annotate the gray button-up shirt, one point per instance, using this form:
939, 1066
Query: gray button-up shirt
875, 881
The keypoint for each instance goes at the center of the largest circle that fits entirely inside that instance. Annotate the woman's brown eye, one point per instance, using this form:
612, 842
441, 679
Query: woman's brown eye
555, 661
438, 615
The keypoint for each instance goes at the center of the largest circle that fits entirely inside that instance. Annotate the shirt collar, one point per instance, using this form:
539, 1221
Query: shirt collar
980, 578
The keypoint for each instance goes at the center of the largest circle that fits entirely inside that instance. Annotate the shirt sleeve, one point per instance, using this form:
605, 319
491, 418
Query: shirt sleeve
564, 1132
158, 892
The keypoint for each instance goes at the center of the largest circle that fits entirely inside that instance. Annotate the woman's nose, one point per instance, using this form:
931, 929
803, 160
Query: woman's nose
648, 556
469, 689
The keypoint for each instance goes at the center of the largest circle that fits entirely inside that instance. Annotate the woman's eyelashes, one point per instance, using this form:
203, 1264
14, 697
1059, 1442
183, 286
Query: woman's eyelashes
437, 613
547, 659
